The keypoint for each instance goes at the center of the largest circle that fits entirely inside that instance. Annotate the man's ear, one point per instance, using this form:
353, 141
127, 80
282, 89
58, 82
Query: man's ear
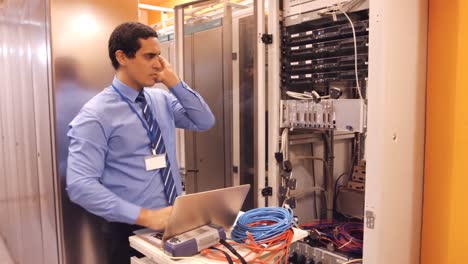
121, 57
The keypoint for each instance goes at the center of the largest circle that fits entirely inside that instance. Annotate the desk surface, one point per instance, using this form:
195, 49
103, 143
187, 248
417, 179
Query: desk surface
158, 256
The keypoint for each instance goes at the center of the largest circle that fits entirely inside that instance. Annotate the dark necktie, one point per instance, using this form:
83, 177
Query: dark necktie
166, 174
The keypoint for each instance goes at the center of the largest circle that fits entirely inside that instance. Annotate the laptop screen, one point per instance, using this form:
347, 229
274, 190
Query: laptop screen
219, 207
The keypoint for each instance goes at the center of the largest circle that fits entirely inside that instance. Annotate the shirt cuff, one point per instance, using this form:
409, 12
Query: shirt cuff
180, 89
128, 212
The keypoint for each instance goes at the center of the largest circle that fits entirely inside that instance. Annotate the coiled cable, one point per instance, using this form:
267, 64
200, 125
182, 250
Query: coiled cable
262, 224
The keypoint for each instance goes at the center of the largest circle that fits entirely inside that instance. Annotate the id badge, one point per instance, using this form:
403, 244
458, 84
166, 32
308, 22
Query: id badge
155, 161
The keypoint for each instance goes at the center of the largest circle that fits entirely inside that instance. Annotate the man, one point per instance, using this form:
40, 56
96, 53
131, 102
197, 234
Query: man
122, 164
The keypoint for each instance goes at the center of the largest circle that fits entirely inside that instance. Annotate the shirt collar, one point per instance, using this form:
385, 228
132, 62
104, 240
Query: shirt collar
126, 90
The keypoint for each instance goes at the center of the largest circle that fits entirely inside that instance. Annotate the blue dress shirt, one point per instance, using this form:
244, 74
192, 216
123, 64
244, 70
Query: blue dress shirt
106, 172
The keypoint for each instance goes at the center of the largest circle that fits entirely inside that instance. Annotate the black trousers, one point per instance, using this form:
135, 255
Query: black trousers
117, 244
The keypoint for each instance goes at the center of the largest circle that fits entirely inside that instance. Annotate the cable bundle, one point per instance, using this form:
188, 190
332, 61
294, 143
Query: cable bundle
346, 237
261, 231
262, 224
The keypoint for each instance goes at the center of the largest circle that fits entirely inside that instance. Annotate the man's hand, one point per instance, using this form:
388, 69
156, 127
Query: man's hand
165, 73
154, 219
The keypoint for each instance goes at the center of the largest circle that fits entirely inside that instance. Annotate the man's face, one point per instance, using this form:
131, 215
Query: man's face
146, 64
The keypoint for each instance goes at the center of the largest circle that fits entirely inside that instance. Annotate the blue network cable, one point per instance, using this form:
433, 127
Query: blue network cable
262, 223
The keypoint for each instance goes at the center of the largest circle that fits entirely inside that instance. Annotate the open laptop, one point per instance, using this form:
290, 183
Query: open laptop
219, 207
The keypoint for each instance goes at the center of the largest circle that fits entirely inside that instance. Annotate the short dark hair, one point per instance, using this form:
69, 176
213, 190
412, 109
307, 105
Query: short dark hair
126, 37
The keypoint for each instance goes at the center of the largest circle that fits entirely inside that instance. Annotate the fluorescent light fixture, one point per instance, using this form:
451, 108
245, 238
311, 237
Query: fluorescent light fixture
155, 8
